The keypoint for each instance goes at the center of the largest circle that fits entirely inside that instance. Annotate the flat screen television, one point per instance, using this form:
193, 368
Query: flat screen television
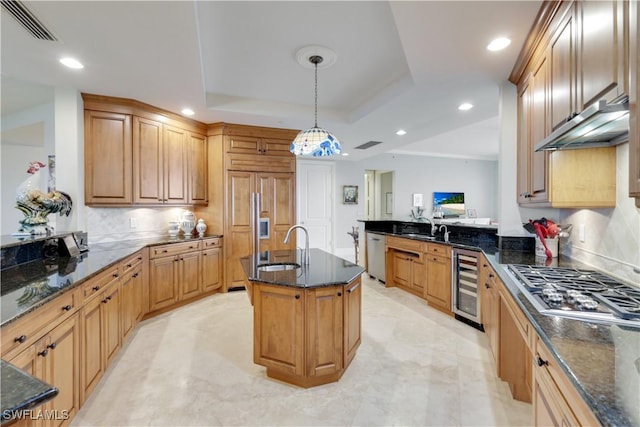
450, 204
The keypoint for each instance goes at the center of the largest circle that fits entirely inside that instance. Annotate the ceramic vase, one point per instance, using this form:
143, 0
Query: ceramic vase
201, 227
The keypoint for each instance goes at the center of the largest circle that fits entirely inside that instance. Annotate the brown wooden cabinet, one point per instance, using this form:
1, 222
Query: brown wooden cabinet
490, 307
306, 336
55, 359
141, 155
175, 272
159, 163
107, 158
325, 317
277, 206
555, 401
438, 271
211, 265
133, 289
576, 54
352, 320
258, 145
101, 329
278, 328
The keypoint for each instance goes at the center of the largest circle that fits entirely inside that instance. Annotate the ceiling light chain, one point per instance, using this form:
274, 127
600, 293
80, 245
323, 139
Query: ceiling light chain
316, 141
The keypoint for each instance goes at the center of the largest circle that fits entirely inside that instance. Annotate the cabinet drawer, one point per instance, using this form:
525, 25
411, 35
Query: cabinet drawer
22, 333
260, 163
405, 244
440, 250
211, 243
130, 263
98, 283
174, 249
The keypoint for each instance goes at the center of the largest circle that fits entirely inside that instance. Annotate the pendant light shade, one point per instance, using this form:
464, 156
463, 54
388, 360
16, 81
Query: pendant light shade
315, 142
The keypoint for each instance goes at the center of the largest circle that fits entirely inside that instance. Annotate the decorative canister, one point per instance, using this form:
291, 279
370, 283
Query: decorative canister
201, 227
174, 228
188, 223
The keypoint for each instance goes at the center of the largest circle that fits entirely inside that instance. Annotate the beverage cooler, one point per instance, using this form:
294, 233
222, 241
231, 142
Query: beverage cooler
466, 300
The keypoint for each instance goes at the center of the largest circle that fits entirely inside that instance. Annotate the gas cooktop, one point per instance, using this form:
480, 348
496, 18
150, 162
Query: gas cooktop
579, 294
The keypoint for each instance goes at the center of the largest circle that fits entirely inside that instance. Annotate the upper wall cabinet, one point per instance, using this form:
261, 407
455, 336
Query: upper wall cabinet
576, 54
136, 154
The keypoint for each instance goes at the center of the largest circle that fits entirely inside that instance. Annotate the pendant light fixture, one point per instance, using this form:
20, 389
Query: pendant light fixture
315, 142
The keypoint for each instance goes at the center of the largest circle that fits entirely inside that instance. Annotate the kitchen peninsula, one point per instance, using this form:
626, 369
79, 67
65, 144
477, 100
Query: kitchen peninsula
307, 318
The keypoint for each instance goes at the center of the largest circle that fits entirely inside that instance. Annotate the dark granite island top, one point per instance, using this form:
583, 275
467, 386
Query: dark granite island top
21, 392
324, 269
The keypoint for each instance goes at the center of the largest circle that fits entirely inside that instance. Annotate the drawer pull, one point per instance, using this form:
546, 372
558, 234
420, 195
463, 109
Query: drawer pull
135, 275
115, 274
96, 288
165, 251
128, 265
67, 307
542, 362
20, 339
52, 346
297, 296
354, 288
486, 285
44, 352
339, 294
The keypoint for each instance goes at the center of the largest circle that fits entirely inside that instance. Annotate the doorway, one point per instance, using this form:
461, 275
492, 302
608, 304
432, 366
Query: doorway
379, 195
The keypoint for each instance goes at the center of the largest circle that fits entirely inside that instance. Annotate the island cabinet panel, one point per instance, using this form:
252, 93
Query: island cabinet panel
279, 328
324, 333
107, 157
27, 361
352, 320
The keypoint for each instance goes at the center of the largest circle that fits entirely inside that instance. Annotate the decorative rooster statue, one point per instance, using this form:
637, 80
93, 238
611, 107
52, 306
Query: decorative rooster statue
36, 205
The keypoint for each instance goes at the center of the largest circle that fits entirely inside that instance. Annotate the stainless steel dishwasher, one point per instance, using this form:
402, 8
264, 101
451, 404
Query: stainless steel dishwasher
375, 256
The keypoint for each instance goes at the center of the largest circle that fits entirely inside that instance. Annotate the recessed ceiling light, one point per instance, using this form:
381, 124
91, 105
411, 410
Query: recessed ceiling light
71, 63
401, 132
464, 107
499, 44
188, 112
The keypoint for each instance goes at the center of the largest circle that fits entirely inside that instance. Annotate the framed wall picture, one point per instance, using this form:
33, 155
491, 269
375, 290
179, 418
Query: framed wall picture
350, 194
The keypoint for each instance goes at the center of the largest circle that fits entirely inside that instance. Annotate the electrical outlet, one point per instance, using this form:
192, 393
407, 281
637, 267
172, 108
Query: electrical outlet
581, 232
133, 222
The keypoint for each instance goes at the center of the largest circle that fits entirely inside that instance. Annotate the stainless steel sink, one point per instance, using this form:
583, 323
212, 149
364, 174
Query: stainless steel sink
278, 267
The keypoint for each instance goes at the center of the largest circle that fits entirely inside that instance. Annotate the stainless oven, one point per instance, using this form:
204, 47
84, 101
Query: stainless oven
465, 283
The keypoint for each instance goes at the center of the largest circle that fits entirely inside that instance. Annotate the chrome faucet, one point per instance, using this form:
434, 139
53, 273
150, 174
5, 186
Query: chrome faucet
446, 232
305, 255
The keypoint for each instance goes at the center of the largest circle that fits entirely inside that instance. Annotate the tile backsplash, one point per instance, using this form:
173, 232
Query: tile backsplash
612, 236
114, 224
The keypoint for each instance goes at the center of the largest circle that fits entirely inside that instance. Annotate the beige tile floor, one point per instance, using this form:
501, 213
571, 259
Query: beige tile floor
193, 366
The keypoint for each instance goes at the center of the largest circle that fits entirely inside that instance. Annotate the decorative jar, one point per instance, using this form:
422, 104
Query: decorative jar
201, 227
188, 223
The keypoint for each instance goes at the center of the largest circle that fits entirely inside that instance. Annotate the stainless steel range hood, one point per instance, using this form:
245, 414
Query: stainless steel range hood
600, 125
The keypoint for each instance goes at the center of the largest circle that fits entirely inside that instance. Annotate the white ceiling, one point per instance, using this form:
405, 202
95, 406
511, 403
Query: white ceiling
399, 64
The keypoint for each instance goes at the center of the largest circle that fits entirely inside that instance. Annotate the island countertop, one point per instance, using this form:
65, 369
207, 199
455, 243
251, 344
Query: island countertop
324, 269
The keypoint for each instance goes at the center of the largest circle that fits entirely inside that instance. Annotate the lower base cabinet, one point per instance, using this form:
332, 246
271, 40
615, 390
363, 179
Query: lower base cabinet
306, 337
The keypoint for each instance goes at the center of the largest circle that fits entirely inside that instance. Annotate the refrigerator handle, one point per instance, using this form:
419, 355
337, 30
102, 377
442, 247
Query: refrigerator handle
255, 221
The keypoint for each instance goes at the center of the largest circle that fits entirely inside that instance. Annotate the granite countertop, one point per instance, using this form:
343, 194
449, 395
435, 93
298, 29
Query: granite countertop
324, 269
602, 361
26, 287
21, 392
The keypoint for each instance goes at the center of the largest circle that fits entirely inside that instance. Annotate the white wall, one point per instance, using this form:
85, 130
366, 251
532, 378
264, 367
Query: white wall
16, 157
417, 174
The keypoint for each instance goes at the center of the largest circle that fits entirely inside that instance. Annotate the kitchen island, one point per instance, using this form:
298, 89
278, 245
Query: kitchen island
306, 318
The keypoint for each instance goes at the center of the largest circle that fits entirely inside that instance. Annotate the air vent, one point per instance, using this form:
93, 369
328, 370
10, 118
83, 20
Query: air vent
368, 145
24, 16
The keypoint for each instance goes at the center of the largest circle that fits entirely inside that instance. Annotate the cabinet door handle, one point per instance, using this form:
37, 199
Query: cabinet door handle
542, 362
491, 276
52, 346
104, 301
67, 307
297, 296
44, 352
96, 288
135, 275
128, 265
354, 288
339, 294
20, 339
115, 274
486, 285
